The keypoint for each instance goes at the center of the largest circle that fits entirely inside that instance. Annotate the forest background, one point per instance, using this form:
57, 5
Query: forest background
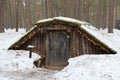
24, 13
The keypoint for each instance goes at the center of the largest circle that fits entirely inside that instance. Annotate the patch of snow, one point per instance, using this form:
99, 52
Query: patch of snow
44, 20
23, 3
14, 30
114, 38
64, 19
71, 20
9, 37
91, 67
31, 46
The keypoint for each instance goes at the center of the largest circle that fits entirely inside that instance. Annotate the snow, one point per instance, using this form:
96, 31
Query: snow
114, 39
91, 67
31, 46
16, 64
63, 19
94, 67
6, 41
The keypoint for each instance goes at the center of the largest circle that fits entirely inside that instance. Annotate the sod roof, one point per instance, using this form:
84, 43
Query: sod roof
82, 25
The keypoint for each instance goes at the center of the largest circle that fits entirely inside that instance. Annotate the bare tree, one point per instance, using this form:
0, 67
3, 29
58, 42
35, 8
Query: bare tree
28, 21
111, 16
1, 16
103, 14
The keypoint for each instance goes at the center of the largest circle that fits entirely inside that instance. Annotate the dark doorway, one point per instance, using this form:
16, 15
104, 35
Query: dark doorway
58, 51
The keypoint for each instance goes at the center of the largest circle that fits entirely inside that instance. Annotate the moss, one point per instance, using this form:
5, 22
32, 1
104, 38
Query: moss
99, 41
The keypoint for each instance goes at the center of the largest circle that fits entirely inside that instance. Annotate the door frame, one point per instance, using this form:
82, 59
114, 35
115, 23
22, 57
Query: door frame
47, 44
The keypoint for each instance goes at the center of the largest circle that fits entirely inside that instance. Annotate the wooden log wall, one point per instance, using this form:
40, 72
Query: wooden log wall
80, 42
38, 41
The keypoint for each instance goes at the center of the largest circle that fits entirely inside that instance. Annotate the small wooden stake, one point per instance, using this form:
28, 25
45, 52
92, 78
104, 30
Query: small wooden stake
30, 53
30, 47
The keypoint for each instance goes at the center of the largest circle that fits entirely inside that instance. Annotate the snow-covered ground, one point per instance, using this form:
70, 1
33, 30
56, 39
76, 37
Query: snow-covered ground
15, 65
94, 67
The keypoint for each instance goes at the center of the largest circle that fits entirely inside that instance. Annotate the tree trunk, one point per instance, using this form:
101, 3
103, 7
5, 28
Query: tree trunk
104, 14
1, 16
111, 16
28, 21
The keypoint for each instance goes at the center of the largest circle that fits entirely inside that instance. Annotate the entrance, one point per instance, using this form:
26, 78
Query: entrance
58, 50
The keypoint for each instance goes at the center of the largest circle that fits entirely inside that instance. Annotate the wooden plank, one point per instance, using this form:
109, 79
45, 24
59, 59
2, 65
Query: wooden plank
80, 43
86, 44
77, 44
83, 45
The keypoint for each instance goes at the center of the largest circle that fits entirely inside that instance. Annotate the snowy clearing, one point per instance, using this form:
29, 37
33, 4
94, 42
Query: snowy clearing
15, 65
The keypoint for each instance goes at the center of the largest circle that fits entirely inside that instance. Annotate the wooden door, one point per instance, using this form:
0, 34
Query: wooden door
58, 48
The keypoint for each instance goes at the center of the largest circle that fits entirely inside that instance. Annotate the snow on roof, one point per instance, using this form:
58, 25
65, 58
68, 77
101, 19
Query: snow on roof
31, 46
62, 19
87, 27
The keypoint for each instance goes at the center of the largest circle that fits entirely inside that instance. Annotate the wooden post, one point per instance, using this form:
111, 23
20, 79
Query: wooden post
30, 47
30, 53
